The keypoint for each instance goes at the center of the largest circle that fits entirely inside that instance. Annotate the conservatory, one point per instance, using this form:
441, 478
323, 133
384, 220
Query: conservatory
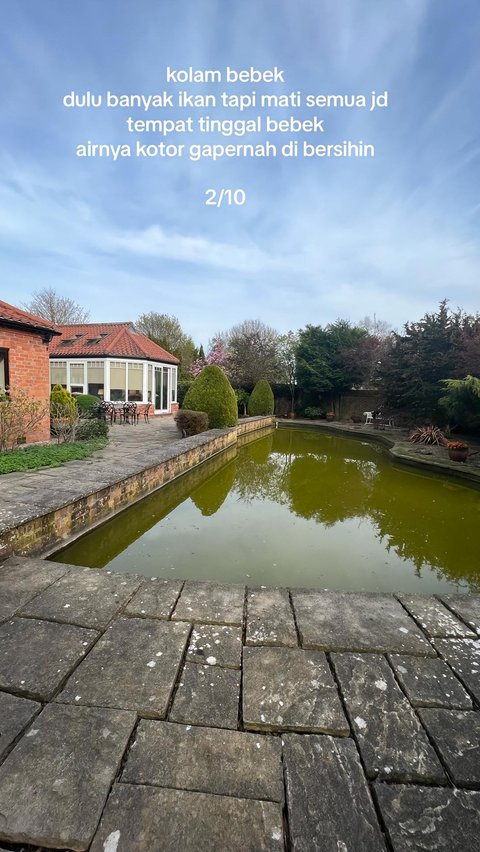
116, 363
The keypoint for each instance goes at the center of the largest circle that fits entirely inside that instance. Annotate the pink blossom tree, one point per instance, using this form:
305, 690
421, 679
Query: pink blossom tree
217, 355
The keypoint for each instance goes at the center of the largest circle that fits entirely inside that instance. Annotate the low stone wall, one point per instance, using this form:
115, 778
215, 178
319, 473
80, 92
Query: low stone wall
43, 532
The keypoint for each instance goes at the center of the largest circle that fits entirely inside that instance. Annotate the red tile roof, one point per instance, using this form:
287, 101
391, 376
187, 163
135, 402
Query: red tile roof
10, 315
107, 339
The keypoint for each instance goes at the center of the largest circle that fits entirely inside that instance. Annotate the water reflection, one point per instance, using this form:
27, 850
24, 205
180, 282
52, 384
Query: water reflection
300, 508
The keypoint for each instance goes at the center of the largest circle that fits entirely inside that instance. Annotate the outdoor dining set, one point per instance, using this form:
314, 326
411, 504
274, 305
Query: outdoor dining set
124, 412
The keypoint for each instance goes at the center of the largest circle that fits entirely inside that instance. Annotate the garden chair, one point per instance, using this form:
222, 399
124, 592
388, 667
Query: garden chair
369, 418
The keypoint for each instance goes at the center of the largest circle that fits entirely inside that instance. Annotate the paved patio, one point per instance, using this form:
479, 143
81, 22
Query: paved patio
139, 715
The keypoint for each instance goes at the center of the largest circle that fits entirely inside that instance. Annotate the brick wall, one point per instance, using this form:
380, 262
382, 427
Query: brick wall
28, 369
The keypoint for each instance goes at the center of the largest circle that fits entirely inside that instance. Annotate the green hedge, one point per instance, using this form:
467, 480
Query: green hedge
261, 400
191, 422
212, 392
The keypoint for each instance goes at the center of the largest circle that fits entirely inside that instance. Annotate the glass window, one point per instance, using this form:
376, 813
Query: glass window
135, 382
165, 388
118, 381
77, 376
3, 369
58, 373
150, 383
96, 378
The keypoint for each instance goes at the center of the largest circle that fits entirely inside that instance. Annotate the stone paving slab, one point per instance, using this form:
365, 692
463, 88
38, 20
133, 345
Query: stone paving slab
216, 644
207, 695
206, 760
457, 737
434, 617
392, 743
287, 689
210, 603
270, 618
132, 667
22, 578
15, 714
322, 775
155, 598
463, 655
429, 682
88, 597
36, 656
429, 818
148, 819
344, 621
55, 782
467, 607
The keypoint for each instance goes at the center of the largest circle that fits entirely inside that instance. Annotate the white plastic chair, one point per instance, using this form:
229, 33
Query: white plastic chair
368, 417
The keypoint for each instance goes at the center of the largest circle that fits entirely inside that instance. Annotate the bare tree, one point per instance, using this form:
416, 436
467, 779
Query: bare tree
58, 309
253, 349
167, 332
376, 327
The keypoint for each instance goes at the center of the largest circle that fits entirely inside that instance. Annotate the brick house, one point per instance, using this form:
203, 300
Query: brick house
24, 365
114, 362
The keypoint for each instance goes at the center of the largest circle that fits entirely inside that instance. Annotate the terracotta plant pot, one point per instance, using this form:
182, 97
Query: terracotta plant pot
291, 415
330, 417
458, 455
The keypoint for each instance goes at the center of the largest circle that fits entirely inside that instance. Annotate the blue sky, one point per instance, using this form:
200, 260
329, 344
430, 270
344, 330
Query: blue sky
316, 239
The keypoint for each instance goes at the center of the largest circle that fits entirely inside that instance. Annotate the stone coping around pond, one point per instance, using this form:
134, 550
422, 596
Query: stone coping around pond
42, 510
142, 714
399, 448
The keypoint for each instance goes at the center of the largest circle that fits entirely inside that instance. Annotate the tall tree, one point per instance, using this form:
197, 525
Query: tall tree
61, 310
324, 361
253, 353
167, 332
415, 362
287, 358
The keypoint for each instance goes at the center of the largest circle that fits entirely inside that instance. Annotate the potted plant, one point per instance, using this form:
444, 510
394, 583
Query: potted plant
330, 415
457, 450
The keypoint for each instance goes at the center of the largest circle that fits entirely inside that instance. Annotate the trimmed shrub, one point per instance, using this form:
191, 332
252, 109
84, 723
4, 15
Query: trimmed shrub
86, 401
90, 428
212, 392
60, 397
261, 400
191, 422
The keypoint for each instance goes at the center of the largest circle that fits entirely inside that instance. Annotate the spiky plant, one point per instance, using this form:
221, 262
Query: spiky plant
428, 434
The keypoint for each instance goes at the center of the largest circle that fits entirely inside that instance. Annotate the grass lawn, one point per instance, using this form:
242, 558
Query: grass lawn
48, 455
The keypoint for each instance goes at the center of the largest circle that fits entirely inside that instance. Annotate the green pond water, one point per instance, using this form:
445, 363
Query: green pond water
299, 508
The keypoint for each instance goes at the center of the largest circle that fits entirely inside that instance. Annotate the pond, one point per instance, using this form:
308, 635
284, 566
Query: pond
299, 508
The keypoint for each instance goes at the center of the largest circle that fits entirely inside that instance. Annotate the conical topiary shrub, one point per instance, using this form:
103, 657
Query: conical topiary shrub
212, 392
261, 399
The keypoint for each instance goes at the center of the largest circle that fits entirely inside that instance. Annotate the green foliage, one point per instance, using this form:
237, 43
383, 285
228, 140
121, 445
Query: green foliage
461, 401
315, 413
182, 387
91, 427
212, 392
86, 401
191, 422
415, 363
48, 455
60, 397
261, 400
242, 399
327, 359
